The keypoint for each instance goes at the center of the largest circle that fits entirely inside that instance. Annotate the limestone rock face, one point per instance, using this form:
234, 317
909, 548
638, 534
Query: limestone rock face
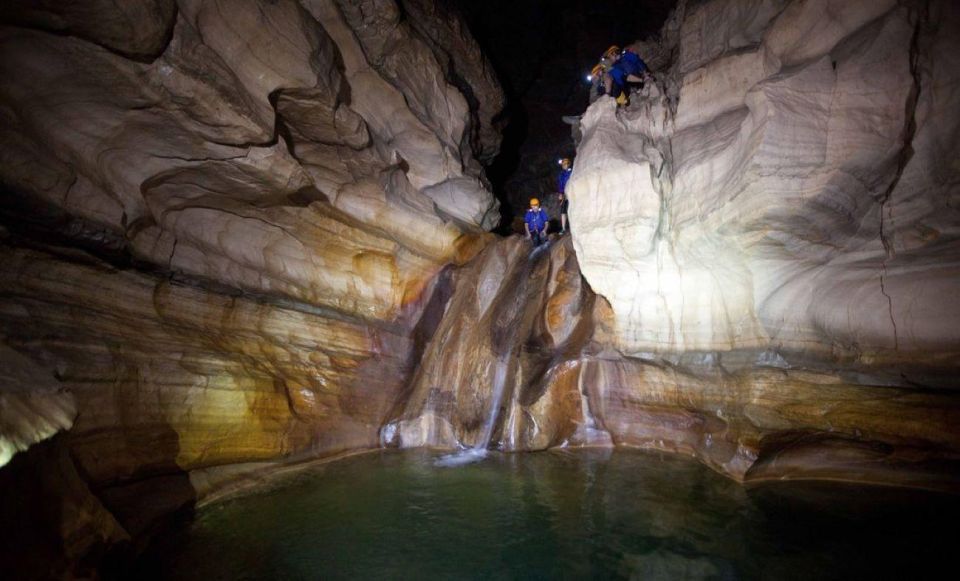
166, 374
251, 142
502, 367
253, 232
312, 156
527, 357
221, 228
785, 192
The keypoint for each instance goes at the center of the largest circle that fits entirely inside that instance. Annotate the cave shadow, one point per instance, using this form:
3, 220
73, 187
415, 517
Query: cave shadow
57, 525
34, 489
909, 532
507, 162
154, 508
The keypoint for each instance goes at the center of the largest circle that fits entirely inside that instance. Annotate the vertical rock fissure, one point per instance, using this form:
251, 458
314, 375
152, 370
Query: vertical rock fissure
906, 153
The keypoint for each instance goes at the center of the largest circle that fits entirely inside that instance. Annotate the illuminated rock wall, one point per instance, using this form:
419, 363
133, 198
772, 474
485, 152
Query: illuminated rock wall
296, 164
786, 189
527, 347
253, 232
775, 225
221, 228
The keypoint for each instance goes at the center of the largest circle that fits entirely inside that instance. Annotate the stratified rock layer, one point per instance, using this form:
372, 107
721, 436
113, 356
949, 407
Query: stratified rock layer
222, 227
787, 189
526, 347
292, 162
775, 225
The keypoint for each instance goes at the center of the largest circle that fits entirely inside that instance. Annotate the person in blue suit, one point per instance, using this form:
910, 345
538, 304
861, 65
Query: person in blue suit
536, 221
565, 171
624, 67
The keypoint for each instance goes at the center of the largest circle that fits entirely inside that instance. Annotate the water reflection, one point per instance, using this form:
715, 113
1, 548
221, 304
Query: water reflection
576, 514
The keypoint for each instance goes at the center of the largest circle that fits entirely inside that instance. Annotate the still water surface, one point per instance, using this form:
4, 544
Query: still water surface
558, 515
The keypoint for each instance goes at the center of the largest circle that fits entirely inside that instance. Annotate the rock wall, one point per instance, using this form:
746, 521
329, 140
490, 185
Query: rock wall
774, 223
297, 161
750, 223
505, 354
526, 344
785, 192
222, 227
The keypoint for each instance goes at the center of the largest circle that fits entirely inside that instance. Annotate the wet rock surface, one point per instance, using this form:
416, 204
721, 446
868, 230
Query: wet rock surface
497, 370
527, 347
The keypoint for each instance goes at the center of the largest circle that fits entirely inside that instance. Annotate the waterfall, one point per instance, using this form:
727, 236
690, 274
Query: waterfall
479, 450
499, 381
468, 370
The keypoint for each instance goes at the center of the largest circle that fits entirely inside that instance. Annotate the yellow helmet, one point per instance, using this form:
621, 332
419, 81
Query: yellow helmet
612, 51
534, 202
597, 70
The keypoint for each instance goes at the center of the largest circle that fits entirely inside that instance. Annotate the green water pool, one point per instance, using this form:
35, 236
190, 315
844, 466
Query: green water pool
588, 514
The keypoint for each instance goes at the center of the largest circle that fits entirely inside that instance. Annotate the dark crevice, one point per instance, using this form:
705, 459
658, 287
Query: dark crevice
905, 155
540, 54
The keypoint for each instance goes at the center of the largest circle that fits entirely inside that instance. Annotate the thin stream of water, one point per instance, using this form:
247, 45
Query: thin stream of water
479, 450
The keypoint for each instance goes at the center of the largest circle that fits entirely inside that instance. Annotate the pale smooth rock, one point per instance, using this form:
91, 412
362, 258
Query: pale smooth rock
780, 202
217, 158
743, 26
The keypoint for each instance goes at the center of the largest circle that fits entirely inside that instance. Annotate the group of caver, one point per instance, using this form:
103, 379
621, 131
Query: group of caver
536, 220
618, 71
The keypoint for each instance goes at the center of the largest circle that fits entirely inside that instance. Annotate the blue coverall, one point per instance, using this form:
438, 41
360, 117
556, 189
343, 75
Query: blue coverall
537, 222
629, 64
562, 180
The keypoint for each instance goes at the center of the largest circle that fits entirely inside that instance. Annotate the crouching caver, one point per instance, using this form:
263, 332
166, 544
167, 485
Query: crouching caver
536, 222
624, 68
